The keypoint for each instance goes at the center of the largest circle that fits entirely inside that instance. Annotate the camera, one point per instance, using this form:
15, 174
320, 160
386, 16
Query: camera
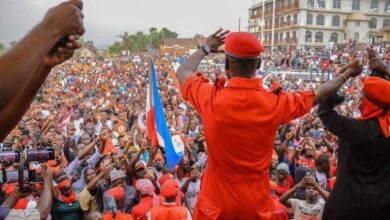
40, 154
28, 169
9, 156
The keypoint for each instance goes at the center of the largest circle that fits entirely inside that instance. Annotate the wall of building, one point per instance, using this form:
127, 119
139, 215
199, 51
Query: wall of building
343, 31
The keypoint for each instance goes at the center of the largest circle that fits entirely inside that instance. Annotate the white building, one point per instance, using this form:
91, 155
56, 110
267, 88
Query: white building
317, 23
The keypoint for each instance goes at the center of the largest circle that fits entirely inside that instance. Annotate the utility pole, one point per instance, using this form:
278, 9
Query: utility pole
262, 22
239, 25
273, 26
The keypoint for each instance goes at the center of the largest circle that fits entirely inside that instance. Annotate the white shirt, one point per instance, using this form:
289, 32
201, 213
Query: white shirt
192, 192
305, 211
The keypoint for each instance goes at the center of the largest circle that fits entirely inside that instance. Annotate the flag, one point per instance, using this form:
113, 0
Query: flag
157, 128
179, 62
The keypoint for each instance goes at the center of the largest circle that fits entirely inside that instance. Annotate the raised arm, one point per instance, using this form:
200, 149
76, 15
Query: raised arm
354, 69
23, 68
285, 198
191, 64
349, 129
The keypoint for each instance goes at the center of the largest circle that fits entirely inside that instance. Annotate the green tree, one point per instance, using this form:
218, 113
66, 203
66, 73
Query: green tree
2, 47
138, 41
198, 36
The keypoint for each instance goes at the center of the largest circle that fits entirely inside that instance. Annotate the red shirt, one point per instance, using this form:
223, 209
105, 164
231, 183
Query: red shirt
306, 162
240, 122
139, 211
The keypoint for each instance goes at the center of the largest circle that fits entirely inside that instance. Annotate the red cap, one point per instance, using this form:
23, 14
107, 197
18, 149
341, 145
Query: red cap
169, 189
377, 90
164, 178
243, 45
139, 165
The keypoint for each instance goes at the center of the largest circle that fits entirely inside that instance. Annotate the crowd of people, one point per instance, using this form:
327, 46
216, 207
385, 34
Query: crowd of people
92, 114
321, 63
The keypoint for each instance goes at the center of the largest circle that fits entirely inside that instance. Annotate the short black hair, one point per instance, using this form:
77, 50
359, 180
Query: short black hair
243, 66
323, 158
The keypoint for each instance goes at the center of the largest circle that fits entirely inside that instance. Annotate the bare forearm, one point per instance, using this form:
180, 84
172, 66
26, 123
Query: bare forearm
330, 87
135, 159
10, 202
92, 185
184, 188
190, 66
87, 150
14, 110
284, 198
322, 192
18, 63
45, 200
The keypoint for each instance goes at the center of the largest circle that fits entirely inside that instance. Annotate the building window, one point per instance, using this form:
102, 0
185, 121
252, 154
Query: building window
336, 20
373, 22
320, 19
337, 4
387, 7
288, 20
295, 19
265, 38
356, 37
374, 5
357, 23
334, 37
287, 36
386, 23
321, 3
319, 37
281, 36
281, 21
294, 36
355, 4
310, 3
308, 36
309, 19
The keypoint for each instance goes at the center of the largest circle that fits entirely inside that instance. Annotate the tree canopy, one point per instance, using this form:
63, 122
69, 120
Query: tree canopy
140, 40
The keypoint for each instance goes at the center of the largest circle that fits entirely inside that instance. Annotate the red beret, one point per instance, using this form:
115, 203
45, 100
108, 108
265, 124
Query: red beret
377, 90
243, 45
169, 189
164, 178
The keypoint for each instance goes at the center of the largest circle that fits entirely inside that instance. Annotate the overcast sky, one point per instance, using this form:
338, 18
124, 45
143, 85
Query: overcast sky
105, 19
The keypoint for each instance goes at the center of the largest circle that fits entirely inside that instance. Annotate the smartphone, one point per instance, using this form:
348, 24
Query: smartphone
309, 173
9, 156
12, 176
34, 176
40, 154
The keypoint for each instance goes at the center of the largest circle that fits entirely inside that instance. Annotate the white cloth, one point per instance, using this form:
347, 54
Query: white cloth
304, 210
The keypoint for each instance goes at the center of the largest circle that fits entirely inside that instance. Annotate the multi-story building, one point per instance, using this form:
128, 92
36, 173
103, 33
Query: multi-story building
308, 24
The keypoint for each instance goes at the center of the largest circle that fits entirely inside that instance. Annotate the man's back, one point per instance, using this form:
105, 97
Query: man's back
240, 121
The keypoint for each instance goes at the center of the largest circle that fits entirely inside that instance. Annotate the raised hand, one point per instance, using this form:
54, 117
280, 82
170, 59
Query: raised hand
66, 19
61, 54
215, 40
356, 68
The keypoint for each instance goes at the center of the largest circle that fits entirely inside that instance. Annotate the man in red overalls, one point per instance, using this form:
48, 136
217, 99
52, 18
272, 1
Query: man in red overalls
240, 121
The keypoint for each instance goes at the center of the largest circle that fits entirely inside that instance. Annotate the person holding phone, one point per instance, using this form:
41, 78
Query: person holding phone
310, 208
240, 120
